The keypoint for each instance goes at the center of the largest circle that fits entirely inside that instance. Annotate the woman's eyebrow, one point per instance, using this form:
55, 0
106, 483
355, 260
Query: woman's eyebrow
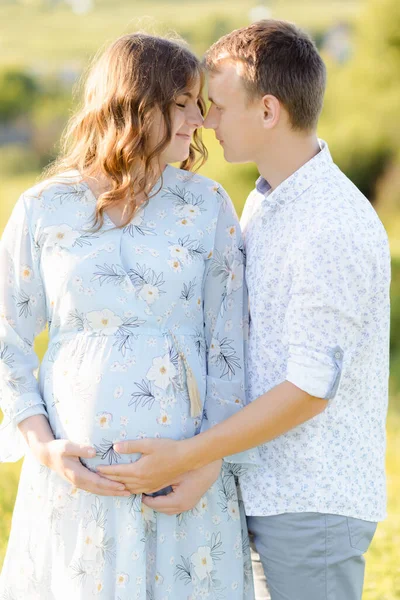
188, 94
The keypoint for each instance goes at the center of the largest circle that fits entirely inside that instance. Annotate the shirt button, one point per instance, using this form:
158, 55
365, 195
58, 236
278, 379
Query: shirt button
338, 355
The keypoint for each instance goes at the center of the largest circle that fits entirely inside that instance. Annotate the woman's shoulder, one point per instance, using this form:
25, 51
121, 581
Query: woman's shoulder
194, 185
56, 192
194, 181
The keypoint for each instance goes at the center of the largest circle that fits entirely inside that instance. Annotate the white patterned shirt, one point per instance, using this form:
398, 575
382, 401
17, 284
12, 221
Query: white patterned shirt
318, 273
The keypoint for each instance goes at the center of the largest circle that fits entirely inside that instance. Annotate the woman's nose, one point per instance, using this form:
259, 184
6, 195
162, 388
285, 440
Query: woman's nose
196, 118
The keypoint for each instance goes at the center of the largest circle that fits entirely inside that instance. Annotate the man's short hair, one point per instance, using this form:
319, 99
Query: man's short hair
279, 59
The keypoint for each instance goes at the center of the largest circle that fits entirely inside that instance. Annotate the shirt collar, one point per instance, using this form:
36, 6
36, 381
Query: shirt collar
299, 181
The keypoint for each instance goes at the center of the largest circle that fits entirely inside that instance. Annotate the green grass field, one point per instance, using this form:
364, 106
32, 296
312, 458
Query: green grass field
32, 35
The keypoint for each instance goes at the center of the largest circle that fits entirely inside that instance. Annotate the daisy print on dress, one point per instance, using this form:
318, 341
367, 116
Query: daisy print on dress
138, 227
187, 206
94, 544
109, 274
6, 357
105, 451
24, 303
65, 237
71, 192
112, 372
188, 289
220, 193
229, 269
162, 372
200, 569
104, 319
222, 354
147, 284
184, 251
228, 496
144, 396
106, 322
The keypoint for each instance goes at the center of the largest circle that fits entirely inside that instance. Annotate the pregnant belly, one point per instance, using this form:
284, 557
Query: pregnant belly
96, 396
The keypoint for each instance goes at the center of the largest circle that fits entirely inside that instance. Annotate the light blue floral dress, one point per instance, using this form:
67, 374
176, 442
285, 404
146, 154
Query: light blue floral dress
131, 312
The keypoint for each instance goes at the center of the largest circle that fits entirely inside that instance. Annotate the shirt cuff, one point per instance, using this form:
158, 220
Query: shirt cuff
315, 373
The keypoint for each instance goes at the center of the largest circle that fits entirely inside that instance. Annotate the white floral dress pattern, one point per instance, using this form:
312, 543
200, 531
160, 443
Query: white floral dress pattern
122, 305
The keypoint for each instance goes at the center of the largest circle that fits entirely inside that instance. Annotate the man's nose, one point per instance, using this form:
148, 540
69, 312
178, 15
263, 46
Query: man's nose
209, 121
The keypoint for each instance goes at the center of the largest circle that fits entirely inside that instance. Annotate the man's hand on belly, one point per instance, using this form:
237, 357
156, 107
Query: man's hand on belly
187, 491
162, 463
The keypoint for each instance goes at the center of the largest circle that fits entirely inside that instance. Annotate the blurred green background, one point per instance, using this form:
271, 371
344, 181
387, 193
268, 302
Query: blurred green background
44, 47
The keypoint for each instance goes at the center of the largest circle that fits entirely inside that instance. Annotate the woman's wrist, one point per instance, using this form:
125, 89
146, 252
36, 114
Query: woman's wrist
37, 433
40, 451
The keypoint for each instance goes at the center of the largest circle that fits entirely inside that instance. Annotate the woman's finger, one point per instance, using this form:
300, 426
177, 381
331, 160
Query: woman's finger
79, 450
117, 478
83, 477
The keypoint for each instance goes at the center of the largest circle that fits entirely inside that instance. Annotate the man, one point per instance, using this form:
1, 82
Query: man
318, 273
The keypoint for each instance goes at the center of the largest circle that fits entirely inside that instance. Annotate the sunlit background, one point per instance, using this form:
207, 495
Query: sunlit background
46, 44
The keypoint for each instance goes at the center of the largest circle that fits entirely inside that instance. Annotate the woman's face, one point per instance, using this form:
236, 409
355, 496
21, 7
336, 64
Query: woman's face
185, 118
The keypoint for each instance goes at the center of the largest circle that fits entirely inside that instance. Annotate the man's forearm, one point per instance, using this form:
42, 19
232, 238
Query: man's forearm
269, 416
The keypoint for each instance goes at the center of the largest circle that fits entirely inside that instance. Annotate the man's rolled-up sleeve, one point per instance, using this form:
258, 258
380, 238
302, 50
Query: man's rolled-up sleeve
330, 286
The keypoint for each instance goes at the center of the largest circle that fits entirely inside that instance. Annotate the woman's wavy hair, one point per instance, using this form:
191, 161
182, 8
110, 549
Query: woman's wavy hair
110, 134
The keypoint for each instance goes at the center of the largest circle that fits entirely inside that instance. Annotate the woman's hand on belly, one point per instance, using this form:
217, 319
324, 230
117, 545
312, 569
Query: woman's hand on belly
63, 457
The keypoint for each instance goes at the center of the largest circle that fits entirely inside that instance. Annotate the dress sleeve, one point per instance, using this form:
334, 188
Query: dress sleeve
226, 325
22, 317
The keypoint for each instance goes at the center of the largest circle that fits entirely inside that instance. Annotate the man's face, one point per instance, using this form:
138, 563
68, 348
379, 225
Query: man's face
236, 121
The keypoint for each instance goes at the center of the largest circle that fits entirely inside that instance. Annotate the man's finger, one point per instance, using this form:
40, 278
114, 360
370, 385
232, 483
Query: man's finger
126, 471
161, 503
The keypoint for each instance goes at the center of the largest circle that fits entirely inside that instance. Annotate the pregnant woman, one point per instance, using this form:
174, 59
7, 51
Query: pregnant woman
137, 268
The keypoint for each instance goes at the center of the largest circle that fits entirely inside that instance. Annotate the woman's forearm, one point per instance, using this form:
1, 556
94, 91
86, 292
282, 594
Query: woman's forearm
36, 431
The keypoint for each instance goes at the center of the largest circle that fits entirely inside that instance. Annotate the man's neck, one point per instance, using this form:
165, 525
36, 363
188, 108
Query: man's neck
286, 155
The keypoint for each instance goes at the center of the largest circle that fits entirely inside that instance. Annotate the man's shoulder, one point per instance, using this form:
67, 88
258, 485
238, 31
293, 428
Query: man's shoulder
335, 200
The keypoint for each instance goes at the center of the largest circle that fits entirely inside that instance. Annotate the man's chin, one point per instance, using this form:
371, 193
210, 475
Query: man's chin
234, 159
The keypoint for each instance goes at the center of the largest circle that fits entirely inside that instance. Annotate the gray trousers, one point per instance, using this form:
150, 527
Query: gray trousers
312, 556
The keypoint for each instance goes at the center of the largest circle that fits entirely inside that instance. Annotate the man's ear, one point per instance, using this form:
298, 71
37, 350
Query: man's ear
271, 108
